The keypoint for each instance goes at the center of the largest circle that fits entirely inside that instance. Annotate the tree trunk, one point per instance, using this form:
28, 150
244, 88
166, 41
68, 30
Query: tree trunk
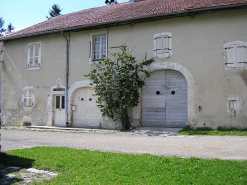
125, 119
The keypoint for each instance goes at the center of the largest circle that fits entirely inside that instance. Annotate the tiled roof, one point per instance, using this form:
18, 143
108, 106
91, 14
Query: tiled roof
118, 13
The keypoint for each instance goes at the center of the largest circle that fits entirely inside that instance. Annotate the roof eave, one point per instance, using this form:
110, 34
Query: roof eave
132, 20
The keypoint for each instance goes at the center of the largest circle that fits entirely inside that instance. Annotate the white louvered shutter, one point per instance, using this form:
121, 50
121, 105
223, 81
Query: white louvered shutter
31, 49
36, 54
165, 43
155, 44
241, 55
159, 44
24, 98
27, 98
230, 56
30, 98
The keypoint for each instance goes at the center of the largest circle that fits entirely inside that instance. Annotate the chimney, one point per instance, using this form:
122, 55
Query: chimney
132, 1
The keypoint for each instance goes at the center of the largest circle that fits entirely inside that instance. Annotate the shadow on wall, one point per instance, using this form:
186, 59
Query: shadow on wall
244, 77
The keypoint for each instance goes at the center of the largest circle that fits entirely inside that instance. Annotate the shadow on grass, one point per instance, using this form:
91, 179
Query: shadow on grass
10, 164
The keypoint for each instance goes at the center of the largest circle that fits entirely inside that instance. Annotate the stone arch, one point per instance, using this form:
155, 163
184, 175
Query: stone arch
190, 83
75, 86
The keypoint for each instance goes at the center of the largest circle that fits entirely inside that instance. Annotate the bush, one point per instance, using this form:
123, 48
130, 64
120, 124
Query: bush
203, 129
187, 128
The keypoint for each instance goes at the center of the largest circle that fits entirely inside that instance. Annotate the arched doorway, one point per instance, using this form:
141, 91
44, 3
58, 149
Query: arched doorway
165, 99
86, 113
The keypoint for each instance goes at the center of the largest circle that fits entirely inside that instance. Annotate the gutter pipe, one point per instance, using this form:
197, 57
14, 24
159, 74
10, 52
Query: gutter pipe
67, 79
1, 92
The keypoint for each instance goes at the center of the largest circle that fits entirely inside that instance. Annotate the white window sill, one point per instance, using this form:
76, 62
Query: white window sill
33, 68
27, 109
162, 55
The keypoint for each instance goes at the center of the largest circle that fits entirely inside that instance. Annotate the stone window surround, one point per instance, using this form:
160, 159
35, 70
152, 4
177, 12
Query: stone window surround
27, 108
162, 55
225, 53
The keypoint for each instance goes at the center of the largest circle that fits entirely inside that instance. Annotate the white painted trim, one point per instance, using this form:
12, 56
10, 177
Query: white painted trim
91, 47
28, 56
190, 82
234, 66
228, 110
22, 97
235, 42
49, 106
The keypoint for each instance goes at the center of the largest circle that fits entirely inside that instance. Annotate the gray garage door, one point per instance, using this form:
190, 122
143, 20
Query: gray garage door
164, 100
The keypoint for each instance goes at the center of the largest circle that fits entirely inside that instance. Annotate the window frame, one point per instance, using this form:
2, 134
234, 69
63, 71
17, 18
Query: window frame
34, 65
29, 97
92, 36
156, 42
230, 54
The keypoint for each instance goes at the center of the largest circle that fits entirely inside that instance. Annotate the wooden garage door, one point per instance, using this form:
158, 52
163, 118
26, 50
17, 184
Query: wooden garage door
164, 100
87, 114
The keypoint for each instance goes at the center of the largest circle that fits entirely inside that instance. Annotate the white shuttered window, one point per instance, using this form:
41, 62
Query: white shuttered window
27, 97
235, 54
162, 45
34, 55
98, 46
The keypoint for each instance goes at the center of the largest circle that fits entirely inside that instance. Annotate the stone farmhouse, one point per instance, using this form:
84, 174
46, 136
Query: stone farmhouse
199, 76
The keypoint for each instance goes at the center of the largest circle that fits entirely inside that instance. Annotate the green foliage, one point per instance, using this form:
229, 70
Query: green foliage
117, 83
230, 129
221, 131
2, 30
94, 167
187, 128
54, 11
10, 28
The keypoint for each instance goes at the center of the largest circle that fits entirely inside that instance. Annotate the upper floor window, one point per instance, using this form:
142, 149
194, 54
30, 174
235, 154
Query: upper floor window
235, 54
27, 97
98, 42
34, 55
162, 45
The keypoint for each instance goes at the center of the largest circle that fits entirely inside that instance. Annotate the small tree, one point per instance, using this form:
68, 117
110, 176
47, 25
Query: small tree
10, 28
2, 30
54, 11
117, 83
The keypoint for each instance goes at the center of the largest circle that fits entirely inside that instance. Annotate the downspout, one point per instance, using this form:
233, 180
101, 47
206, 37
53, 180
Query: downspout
1, 92
67, 79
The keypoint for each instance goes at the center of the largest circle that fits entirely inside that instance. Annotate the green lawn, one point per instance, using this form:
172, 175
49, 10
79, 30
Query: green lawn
213, 132
90, 167
221, 131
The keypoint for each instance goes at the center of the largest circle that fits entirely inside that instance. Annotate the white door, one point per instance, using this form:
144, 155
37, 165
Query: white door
164, 100
59, 116
87, 114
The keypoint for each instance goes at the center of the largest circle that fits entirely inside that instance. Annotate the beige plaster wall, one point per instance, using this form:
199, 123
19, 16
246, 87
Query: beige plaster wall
197, 45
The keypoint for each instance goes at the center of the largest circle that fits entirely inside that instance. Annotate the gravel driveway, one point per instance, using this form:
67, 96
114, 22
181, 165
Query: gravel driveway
135, 142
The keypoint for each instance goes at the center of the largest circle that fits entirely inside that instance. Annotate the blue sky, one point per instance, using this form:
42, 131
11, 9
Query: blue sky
25, 13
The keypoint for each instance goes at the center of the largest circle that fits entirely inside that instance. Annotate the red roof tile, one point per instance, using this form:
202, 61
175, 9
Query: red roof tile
119, 12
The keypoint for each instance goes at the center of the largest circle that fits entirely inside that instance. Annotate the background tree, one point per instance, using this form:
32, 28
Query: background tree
10, 28
2, 30
117, 83
54, 11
